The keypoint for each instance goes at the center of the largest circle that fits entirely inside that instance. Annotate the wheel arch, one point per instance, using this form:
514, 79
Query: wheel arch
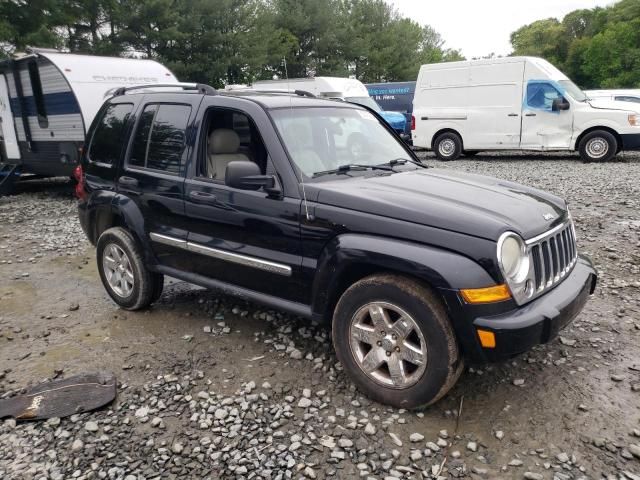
351, 257
446, 130
589, 130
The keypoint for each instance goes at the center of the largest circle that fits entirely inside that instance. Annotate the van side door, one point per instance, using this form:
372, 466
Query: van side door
154, 169
545, 126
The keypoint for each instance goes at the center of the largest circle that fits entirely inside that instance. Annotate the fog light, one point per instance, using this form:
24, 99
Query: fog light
487, 339
498, 293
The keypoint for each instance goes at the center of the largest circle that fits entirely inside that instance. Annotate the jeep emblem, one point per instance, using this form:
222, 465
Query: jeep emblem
548, 216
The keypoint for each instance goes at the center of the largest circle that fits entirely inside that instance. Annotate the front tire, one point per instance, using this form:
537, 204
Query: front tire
123, 273
394, 339
598, 146
448, 146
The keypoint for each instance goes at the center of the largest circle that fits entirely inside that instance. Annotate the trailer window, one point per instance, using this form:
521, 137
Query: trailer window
160, 139
38, 95
107, 140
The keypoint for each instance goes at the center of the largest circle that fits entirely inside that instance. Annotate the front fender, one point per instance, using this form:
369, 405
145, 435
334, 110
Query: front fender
441, 269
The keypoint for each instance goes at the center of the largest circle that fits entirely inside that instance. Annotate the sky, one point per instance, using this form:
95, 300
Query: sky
481, 27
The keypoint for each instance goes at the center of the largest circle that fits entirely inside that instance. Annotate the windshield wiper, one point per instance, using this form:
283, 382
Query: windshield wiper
349, 167
401, 161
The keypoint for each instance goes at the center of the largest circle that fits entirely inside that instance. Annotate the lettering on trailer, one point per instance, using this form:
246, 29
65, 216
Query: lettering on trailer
123, 79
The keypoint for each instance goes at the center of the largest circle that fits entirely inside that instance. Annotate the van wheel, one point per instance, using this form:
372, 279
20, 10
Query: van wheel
393, 337
448, 146
123, 273
598, 146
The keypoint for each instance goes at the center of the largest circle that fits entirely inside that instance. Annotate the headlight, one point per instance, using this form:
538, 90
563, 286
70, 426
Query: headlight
513, 258
634, 120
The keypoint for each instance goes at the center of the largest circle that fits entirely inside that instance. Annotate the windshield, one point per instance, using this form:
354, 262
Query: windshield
573, 90
365, 101
321, 139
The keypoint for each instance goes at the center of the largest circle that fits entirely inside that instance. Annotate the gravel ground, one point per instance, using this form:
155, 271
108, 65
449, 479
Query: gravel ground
211, 387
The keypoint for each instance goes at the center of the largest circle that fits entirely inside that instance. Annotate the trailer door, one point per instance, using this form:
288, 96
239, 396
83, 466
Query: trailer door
7, 128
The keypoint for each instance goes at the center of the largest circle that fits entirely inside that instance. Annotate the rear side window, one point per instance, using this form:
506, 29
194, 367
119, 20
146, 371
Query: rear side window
160, 138
109, 135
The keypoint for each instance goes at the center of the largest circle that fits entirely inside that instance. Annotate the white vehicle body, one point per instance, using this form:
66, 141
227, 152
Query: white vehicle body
629, 95
508, 104
48, 100
328, 87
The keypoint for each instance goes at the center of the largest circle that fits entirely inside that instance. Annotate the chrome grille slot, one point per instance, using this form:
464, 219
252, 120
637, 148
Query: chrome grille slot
553, 255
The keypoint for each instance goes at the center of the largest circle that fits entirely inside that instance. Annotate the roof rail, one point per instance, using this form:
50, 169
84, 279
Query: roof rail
250, 91
199, 87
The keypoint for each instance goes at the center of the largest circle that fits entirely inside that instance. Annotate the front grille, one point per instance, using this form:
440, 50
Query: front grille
553, 255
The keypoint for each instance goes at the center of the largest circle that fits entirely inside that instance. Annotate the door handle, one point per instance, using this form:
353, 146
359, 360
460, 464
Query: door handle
513, 114
530, 115
128, 181
202, 197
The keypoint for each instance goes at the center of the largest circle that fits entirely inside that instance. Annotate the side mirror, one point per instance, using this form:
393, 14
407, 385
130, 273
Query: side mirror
246, 175
560, 104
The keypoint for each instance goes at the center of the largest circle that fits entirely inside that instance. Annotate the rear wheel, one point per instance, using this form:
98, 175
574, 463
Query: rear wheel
394, 339
448, 146
123, 273
598, 146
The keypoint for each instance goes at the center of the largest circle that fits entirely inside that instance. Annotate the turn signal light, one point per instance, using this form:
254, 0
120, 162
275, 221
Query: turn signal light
487, 339
499, 293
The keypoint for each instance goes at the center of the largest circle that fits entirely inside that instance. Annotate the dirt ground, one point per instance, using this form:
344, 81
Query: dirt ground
212, 387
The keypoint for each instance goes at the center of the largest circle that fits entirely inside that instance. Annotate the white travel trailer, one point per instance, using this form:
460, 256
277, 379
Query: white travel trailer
516, 103
630, 95
48, 100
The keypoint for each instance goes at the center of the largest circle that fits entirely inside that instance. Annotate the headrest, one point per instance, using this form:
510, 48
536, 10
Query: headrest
223, 140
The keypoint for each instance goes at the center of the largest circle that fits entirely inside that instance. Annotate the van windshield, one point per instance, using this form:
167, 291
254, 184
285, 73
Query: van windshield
365, 101
573, 90
323, 139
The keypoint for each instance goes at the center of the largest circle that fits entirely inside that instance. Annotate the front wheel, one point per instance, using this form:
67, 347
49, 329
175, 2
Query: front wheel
448, 146
123, 272
394, 339
598, 146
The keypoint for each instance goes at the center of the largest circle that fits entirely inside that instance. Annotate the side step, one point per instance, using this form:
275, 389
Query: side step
9, 174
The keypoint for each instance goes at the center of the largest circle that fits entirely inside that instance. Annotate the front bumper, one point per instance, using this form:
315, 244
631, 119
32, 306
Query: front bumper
630, 141
539, 321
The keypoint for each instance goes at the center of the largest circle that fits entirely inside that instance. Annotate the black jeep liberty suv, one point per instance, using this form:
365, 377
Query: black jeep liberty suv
317, 208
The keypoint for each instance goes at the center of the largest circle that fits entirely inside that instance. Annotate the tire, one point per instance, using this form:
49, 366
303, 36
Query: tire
448, 146
118, 248
598, 146
430, 333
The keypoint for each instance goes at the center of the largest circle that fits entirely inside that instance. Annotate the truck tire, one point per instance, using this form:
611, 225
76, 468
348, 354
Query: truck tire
394, 339
598, 146
123, 273
448, 146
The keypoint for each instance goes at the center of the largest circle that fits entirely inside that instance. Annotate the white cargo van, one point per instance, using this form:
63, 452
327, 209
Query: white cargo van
516, 103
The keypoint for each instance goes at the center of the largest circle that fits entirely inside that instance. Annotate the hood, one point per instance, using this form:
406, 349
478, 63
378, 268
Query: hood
606, 104
471, 204
395, 119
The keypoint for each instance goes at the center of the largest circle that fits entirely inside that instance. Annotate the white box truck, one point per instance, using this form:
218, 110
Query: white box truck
516, 103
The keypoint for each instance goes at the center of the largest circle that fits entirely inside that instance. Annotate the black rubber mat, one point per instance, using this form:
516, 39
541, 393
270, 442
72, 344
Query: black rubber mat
61, 398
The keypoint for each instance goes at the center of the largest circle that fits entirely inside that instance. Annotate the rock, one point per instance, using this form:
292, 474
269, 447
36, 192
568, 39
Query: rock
142, 412
73, 307
177, 448
370, 429
533, 476
634, 449
77, 445
304, 402
515, 463
562, 457
499, 434
473, 446
416, 437
296, 354
415, 455
345, 443
617, 378
518, 382
91, 427
309, 472
220, 414
395, 439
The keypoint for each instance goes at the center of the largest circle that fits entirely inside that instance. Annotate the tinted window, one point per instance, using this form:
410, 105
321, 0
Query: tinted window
109, 135
141, 138
629, 99
159, 141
